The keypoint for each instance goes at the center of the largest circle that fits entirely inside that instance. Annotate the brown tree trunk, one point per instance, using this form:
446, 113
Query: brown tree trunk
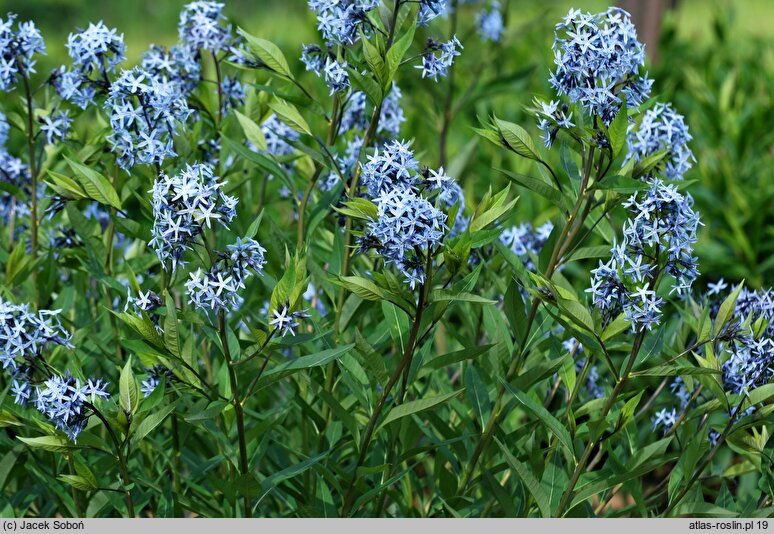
647, 16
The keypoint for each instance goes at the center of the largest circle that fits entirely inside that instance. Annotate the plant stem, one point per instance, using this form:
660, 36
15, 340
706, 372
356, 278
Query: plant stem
447, 105
33, 176
408, 353
220, 87
637, 345
244, 467
122, 463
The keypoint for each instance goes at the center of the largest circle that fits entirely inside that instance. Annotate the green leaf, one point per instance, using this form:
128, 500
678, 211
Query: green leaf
416, 406
290, 116
517, 139
94, 184
528, 479
65, 186
48, 443
440, 295
127, 389
150, 422
268, 53
375, 61
544, 189
478, 394
551, 422
77, 481
726, 309
143, 326
171, 328
648, 163
362, 287
253, 132
618, 129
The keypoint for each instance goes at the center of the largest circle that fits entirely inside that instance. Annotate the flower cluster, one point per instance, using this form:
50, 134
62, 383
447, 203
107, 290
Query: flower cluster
285, 321
551, 118
200, 27
55, 126
177, 66
182, 205
336, 75
156, 375
24, 335
526, 241
489, 22
439, 58
17, 49
96, 52
658, 240
144, 114
277, 134
67, 403
313, 58
340, 21
13, 171
662, 128
598, 61
665, 417
406, 226
217, 289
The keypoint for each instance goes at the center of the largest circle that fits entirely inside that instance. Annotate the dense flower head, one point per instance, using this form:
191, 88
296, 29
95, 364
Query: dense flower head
658, 240
183, 205
17, 48
313, 58
662, 128
599, 61
439, 58
177, 65
144, 113
489, 22
394, 167
67, 402
201, 27
24, 335
97, 49
406, 225
233, 93
336, 75
217, 289
526, 241
55, 126
340, 21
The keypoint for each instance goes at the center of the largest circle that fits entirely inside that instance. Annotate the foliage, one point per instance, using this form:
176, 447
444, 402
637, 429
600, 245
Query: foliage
343, 279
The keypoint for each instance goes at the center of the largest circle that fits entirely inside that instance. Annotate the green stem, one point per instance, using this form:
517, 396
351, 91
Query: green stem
33, 176
122, 462
371, 426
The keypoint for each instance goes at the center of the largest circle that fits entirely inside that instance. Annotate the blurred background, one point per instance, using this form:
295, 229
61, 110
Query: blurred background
713, 59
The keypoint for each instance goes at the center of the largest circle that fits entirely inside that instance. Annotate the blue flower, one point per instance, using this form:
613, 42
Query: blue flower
662, 128
17, 49
525, 242
430, 9
217, 289
285, 321
598, 61
97, 49
336, 75
144, 114
439, 58
665, 417
313, 58
25, 335
67, 403
200, 27
340, 21
182, 206
177, 66
55, 126
489, 22
658, 239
